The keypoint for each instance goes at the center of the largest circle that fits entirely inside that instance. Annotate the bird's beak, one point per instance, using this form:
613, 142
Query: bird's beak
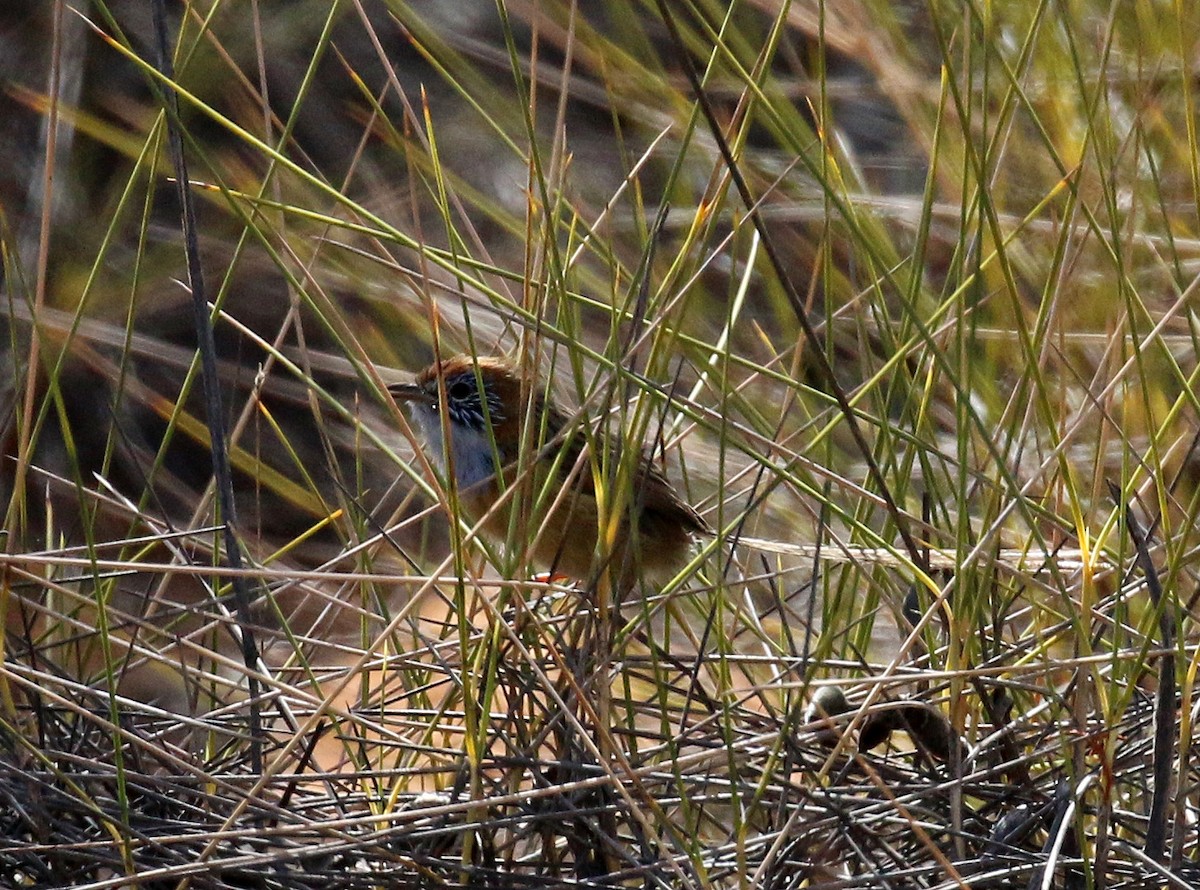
409, 392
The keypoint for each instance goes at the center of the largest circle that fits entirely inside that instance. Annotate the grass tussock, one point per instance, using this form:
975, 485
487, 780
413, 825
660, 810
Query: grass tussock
899, 296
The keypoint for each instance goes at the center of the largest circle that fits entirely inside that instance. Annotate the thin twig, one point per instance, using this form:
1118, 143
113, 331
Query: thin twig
1164, 702
214, 415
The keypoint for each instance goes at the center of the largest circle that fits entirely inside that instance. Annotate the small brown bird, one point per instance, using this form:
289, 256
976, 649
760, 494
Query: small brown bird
484, 412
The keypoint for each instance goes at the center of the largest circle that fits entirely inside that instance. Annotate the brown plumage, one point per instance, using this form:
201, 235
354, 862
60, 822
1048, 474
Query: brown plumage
485, 438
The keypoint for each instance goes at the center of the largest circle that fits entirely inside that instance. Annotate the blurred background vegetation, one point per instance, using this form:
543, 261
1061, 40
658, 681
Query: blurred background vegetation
973, 311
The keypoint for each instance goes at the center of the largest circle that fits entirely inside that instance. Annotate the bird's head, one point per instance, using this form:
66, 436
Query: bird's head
480, 399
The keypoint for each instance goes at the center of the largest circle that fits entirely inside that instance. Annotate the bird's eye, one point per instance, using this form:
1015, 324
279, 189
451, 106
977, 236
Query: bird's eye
461, 389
